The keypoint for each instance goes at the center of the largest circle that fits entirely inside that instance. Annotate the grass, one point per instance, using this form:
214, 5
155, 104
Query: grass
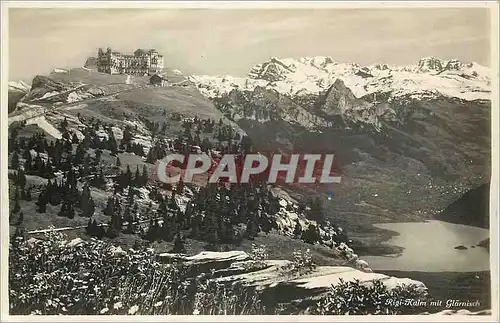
49, 277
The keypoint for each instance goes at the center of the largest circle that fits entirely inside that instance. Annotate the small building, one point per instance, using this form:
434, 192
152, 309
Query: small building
158, 80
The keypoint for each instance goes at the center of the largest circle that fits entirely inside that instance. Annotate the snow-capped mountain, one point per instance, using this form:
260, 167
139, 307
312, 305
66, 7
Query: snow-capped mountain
429, 78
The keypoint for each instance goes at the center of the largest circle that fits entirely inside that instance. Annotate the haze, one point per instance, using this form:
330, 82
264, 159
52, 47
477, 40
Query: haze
231, 41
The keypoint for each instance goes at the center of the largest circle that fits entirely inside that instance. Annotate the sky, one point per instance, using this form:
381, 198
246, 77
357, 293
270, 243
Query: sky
231, 41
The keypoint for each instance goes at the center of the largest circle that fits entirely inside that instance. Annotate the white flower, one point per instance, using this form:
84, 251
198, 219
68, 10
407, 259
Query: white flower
104, 310
158, 304
133, 309
196, 312
118, 305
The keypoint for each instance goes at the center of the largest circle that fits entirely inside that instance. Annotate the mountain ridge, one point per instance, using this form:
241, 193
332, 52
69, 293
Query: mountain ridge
312, 75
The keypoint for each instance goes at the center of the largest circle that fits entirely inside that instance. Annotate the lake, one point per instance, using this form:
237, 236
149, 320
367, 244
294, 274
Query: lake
430, 247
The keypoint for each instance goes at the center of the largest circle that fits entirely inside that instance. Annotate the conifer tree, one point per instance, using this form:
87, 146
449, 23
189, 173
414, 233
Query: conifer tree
297, 232
14, 163
74, 139
99, 230
28, 194
145, 176
42, 202
211, 229
109, 210
90, 229
112, 145
20, 219
128, 177
311, 235
137, 177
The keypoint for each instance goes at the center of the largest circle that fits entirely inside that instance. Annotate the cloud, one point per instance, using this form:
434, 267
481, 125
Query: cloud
220, 41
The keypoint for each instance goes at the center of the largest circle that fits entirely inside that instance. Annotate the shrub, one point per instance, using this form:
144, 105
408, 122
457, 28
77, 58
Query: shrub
354, 298
302, 262
259, 253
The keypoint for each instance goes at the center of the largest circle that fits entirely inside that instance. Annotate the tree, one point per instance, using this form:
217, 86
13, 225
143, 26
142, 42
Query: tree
311, 235
128, 177
109, 210
79, 154
111, 144
137, 178
179, 246
246, 144
131, 226
99, 230
210, 229
86, 202
297, 232
153, 231
21, 219
74, 139
28, 194
252, 229
14, 163
316, 211
67, 210
21, 178
90, 229
118, 162
17, 207
64, 124
54, 193
98, 154
145, 176
42, 201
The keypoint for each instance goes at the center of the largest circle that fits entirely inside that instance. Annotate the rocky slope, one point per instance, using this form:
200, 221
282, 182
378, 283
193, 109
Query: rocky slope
278, 278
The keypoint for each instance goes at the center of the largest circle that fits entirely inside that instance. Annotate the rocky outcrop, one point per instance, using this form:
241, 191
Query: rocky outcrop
280, 278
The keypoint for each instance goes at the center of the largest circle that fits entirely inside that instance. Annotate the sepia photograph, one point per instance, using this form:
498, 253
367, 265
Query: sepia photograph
272, 158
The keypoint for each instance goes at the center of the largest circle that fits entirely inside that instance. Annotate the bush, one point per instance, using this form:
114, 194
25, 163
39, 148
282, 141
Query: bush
302, 262
259, 253
354, 298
